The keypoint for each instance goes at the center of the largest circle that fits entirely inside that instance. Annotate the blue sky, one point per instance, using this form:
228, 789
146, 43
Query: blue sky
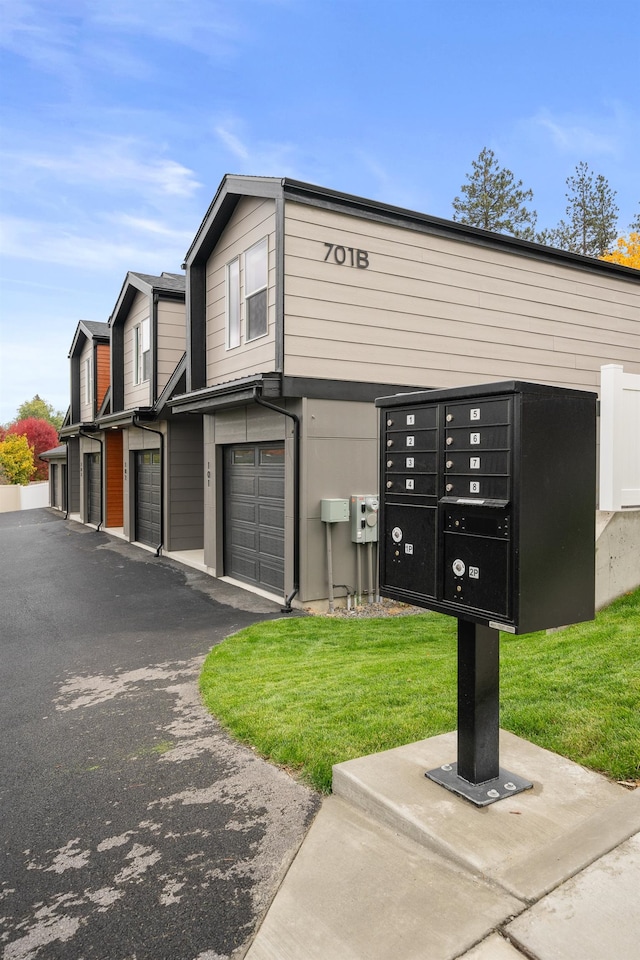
119, 118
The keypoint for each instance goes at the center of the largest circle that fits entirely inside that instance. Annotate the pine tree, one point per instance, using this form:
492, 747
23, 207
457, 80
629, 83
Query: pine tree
493, 200
635, 226
592, 216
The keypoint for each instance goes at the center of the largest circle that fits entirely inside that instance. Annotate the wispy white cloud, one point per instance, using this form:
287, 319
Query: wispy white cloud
206, 26
233, 143
598, 133
100, 249
123, 163
270, 158
155, 228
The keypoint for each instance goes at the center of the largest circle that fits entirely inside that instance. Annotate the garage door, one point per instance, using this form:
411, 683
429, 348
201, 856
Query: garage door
254, 514
148, 497
93, 483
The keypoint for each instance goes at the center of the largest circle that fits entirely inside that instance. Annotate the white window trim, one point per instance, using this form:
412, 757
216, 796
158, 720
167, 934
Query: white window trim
249, 293
232, 342
138, 352
88, 380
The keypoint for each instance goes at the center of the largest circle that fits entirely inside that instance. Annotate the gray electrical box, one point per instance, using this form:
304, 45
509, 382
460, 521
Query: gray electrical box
364, 518
334, 511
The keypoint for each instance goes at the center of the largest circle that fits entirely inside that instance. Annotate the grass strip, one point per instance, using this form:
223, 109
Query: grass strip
308, 692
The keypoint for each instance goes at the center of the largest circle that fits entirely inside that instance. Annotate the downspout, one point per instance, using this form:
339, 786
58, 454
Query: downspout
66, 478
101, 442
136, 423
296, 493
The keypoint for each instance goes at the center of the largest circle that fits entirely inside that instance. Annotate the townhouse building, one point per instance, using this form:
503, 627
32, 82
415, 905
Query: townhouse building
304, 305
239, 396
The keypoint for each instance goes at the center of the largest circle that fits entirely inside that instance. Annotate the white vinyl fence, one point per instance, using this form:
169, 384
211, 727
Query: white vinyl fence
15, 497
619, 438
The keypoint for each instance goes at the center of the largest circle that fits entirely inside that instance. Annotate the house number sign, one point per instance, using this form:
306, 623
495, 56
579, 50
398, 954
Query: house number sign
347, 256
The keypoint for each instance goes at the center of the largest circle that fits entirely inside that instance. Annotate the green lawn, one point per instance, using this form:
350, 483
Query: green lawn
308, 692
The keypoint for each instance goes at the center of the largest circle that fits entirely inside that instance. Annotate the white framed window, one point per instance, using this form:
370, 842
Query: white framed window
88, 381
255, 289
233, 303
141, 351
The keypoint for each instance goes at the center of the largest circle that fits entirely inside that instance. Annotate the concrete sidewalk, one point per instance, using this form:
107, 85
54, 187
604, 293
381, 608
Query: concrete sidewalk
397, 868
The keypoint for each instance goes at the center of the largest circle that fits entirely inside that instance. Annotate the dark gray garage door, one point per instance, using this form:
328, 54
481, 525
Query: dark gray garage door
93, 482
148, 497
254, 514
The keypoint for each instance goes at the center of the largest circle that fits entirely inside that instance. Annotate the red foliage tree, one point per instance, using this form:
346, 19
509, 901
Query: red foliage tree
41, 435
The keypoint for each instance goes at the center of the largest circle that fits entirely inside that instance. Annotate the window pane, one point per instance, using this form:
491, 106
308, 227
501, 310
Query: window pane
233, 304
273, 455
244, 456
255, 267
257, 315
144, 328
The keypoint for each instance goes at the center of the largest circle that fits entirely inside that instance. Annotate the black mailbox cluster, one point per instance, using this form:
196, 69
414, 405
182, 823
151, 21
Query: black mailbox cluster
488, 499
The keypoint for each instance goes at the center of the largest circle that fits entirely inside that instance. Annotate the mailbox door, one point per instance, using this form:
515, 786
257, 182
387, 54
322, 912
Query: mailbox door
410, 549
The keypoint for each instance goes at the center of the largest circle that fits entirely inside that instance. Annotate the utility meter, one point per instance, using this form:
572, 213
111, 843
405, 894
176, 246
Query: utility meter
364, 518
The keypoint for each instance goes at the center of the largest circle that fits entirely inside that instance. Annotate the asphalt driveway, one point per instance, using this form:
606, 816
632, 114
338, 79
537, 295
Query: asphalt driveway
131, 825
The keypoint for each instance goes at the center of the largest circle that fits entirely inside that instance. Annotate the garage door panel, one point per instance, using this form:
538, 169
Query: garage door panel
147, 521
254, 514
244, 537
243, 486
241, 510
270, 575
94, 483
271, 545
271, 516
244, 568
270, 488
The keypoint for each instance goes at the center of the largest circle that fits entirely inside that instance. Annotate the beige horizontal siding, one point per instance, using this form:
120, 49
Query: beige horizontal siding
171, 339
252, 220
135, 395
438, 312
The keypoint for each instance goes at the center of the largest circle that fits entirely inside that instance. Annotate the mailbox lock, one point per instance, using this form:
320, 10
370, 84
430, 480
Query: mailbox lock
449, 464
449, 487
389, 464
449, 417
449, 441
389, 423
458, 567
389, 443
389, 484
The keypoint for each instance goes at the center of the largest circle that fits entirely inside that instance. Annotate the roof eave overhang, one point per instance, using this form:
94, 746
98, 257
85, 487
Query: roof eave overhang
125, 418
230, 191
75, 429
232, 394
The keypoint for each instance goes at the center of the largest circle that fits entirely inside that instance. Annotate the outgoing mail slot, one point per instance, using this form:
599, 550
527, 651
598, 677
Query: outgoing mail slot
480, 521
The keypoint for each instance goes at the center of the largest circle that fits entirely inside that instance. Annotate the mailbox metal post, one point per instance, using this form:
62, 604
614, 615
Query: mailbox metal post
477, 775
478, 702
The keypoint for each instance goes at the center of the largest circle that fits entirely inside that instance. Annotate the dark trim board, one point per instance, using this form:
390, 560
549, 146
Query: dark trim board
354, 390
